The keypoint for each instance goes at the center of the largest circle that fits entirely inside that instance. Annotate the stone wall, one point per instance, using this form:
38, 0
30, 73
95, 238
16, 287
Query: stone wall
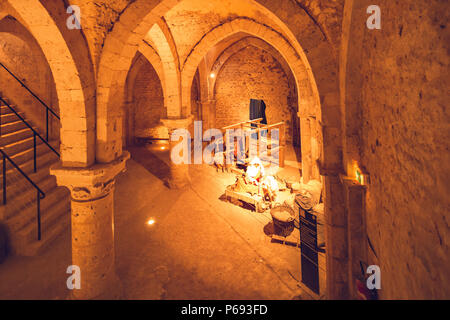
148, 104
253, 73
394, 109
404, 145
23, 58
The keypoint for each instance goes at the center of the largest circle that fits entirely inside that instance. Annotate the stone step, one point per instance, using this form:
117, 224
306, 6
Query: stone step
22, 145
20, 200
20, 213
60, 206
26, 219
18, 183
15, 136
6, 110
28, 155
4, 98
59, 227
11, 117
12, 126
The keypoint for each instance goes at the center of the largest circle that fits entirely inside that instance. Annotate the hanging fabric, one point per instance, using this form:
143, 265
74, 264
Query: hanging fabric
258, 110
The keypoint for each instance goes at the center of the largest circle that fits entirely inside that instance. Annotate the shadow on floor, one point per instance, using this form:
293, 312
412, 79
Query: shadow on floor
151, 162
269, 229
239, 203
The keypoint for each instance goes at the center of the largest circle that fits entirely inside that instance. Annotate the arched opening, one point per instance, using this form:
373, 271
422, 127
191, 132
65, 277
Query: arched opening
76, 111
186, 63
22, 56
364, 104
144, 106
262, 67
41, 89
158, 30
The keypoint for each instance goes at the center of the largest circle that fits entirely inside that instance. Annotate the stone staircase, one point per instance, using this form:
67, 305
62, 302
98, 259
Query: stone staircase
19, 215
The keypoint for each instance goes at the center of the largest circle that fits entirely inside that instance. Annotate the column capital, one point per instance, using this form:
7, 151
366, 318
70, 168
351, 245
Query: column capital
177, 123
96, 181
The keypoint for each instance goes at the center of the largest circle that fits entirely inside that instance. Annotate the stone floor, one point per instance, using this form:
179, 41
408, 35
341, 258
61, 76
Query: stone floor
200, 247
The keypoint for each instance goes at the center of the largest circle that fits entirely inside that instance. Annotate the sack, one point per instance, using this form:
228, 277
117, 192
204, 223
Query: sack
309, 195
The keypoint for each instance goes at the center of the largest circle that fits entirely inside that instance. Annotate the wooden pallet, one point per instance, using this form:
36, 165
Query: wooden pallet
290, 240
257, 201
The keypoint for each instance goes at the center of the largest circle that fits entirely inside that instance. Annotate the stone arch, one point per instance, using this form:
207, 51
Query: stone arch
39, 70
315, 53
322, 115
275, 39
131, 103
118, 51
122, 42
166, 48
293, 129
77, 139
238, 46
152, 56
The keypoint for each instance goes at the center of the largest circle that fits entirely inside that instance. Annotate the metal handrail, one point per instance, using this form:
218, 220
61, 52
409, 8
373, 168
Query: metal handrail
36, 134
47, 108
40, 193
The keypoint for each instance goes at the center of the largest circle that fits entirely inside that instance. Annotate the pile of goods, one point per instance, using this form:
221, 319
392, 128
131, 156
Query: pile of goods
284, 199
307, 197
256, 185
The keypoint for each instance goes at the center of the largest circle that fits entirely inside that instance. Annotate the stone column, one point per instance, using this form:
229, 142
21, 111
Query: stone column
92, 221
179, 173
305, 136
315, 148
356, 226
335, 235
208, 114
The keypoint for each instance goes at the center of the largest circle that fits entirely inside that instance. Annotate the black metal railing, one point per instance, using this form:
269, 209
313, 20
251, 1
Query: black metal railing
39, 196
48, 110
35, 134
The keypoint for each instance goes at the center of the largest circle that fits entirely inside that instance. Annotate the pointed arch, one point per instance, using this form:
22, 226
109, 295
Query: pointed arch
77, 129
306, 92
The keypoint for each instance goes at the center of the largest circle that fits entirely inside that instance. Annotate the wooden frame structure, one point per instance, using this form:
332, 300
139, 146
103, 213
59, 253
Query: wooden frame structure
255, 127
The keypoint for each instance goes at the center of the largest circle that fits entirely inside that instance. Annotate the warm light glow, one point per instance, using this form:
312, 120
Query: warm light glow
163, 148
358, 175
151, 222
212, 75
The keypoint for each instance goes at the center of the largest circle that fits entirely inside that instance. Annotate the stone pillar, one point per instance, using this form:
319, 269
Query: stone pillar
305, 135
208, 114
356, 226
128, 124
92, 221
315, 148
335, 235
179, 173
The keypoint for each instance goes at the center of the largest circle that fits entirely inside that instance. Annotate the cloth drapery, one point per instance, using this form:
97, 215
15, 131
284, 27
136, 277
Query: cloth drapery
258, 110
